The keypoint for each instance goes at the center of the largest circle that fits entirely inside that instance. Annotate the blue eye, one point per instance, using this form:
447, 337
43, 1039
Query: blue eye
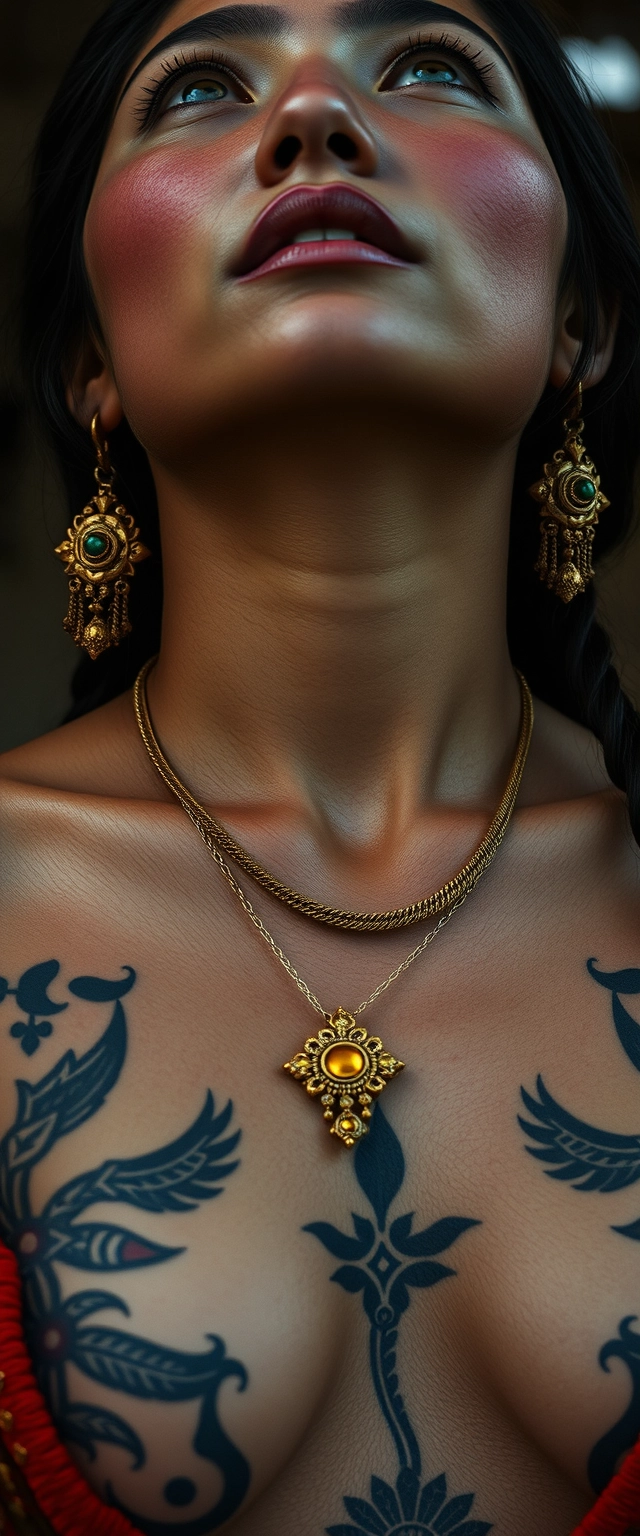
430, 68
207, 90
435, 74
188, 83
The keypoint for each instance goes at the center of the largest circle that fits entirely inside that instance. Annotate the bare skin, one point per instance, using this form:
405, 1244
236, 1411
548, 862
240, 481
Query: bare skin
333, 450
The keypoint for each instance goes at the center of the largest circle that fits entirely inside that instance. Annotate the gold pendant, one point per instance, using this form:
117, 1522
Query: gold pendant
343, 1063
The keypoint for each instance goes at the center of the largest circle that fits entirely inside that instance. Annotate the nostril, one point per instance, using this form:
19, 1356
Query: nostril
341, 145
286, 152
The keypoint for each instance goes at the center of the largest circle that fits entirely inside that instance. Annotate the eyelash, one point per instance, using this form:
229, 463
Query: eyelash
181, 67
452, 47
174, 70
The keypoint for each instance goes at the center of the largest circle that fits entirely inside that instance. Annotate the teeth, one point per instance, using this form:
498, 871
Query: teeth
308, 234
322, 234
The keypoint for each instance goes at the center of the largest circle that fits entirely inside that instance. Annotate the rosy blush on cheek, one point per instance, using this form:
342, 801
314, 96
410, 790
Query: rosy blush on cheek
502, 196
146, 231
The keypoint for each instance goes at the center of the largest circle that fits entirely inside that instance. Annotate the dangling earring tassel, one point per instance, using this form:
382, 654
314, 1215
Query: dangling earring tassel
120, 624
571, 501
74, 621
100, 551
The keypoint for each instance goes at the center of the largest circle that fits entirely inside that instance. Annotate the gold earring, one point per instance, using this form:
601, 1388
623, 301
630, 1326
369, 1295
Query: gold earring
100, 551
571, 505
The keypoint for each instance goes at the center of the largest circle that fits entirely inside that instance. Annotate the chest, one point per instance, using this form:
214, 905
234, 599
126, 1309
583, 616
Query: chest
228, 1309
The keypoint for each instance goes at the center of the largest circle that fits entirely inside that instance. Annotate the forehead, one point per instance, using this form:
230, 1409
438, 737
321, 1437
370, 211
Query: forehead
273, 20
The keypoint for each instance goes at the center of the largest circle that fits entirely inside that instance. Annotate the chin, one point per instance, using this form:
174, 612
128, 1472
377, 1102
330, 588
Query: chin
332, 346
304, 360
318, 349
344, 349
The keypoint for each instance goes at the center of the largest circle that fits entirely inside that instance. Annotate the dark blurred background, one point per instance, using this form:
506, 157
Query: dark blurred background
37, 37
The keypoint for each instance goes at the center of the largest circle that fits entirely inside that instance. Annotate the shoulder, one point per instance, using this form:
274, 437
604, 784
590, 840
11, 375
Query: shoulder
573, 819
84, 787
99, 754
566, 762
74, 807
72, 782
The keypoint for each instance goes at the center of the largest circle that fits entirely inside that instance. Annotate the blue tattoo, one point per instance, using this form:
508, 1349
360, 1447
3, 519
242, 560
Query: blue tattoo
173, 1178
606, 1454
31, 997
384, 1264
590, 1159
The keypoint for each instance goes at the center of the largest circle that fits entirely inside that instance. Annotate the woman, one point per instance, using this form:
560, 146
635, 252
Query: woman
325, 281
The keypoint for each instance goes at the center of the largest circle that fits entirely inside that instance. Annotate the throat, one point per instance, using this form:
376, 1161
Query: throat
331, 645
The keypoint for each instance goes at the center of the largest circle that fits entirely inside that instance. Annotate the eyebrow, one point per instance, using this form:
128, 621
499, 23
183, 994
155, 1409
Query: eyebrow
264, 22
364, 15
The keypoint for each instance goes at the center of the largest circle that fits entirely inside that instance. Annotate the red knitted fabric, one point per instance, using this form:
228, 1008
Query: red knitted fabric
619, 1506
58, 1487
72, 1507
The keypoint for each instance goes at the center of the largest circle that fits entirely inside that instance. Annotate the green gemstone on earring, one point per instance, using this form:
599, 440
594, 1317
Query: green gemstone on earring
95, 545
584, 490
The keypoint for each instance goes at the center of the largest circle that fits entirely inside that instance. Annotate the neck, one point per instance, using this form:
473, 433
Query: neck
334, 623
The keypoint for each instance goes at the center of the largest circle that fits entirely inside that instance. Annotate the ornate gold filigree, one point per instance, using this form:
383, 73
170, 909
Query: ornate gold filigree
99, 552
343, 1064
571, 501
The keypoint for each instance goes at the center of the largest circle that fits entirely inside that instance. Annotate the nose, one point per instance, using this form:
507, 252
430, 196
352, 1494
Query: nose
315, 125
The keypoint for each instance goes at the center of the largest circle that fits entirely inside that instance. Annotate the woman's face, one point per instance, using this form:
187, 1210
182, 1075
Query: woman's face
324, 203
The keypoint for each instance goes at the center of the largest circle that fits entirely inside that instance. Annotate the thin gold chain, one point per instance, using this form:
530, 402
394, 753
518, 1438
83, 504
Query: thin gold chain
217, 837
202, 820
290, 968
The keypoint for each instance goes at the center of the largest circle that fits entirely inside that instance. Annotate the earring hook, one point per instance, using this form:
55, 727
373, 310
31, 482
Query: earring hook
576, 409
103, 467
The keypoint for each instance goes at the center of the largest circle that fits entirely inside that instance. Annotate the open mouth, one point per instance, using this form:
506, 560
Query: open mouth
320, 226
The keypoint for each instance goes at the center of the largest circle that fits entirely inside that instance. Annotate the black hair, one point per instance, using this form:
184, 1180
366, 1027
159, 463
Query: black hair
563, 650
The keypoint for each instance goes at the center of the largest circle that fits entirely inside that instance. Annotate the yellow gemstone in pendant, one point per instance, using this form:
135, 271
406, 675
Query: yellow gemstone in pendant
348, 1068
344, 1062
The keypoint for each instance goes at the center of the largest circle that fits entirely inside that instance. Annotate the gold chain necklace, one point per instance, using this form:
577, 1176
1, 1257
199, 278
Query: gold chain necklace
342, 1062
427, 907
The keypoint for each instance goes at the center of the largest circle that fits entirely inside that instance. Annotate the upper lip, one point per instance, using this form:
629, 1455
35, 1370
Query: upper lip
334, 206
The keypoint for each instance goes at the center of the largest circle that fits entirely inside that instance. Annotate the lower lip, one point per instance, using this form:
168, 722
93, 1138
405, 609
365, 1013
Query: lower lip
323, 253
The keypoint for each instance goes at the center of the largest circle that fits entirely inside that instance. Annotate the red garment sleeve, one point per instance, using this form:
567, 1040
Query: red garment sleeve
60, 1491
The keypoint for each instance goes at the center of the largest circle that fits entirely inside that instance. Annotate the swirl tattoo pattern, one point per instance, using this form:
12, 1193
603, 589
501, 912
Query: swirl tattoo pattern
175, 1177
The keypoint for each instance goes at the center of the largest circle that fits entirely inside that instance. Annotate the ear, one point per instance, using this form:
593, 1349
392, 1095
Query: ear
91, 387
568, 343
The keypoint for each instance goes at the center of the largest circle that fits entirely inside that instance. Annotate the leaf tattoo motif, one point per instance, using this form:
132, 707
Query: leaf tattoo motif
97, 989
376, 1267
61, 1101
83, 1424
176, 1177
591, 1160
94, 1245
380, 1169
579, 1153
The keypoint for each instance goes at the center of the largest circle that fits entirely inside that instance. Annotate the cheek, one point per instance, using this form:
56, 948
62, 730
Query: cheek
504, 201
149, 232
